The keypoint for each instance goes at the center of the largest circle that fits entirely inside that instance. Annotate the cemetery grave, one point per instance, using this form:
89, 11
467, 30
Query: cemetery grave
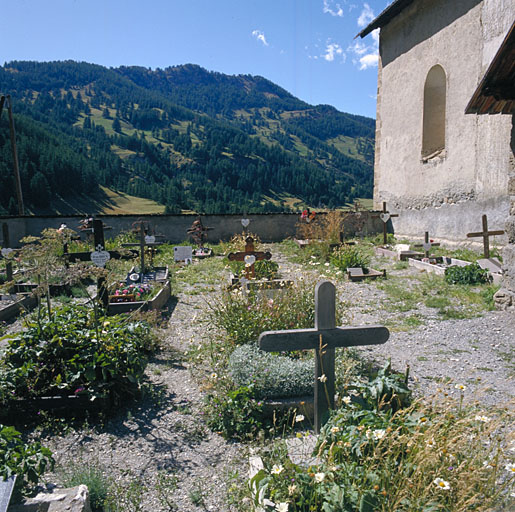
166, 434
198, 233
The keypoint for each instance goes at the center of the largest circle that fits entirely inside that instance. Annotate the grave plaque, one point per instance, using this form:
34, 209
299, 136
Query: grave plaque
100, 257
245, 222
183, 253
324, 338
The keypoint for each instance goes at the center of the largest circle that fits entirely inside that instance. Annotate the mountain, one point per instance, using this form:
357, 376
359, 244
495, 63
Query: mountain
185, 137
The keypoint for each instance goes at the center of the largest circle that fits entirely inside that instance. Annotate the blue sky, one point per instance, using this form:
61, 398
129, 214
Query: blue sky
305, 46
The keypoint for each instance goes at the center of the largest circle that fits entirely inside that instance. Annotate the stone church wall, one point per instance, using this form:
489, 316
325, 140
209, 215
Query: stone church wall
446, 194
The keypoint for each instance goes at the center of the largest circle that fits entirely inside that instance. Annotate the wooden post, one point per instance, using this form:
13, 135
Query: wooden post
427, 245
324, 338
6, 245
486, 236
142, 249
99, 244
325, 318
17, 180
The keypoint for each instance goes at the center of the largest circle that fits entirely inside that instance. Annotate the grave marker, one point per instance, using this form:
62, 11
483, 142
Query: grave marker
6, 250
99, 256
385, 216
427, 244
249, 256
145, 240
183, 253
6, 490
486, 236
324, 338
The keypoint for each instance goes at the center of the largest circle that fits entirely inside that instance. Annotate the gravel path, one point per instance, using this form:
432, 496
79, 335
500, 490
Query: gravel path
166, 433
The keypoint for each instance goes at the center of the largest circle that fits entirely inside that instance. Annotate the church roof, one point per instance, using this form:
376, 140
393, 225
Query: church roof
496, 92
386, 16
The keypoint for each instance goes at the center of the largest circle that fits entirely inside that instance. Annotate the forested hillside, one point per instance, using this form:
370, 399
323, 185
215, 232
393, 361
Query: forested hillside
187, 138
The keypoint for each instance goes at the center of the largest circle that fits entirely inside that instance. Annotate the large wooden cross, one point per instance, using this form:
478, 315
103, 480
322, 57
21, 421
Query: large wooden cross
99, 256
385, 216
427, 244
486, 236
324, 338
249, 256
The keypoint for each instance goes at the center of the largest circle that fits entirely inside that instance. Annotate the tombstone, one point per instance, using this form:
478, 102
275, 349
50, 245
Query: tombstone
183, 253
359, 274
486, 236
324, 339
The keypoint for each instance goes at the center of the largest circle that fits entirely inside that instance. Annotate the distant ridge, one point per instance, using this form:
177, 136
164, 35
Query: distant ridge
183, 137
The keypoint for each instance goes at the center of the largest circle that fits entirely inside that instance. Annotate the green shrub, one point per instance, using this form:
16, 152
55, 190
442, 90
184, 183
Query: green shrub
71, 353
350, 256
26, 460
243, 318
471, 274
272, 376
237, 414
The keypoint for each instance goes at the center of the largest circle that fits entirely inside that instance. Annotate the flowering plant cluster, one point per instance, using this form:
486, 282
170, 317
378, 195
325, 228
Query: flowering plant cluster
374, 455
140, 291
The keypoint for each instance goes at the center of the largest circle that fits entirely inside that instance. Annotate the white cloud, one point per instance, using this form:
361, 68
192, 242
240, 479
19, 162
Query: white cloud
368, 61
260, 36
333, 50
366, 16
365, 55
333, 8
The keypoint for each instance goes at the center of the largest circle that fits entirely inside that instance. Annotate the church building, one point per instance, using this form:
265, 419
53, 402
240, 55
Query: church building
445, 131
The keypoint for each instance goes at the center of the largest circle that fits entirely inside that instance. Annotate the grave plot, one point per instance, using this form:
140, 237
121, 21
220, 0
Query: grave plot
146, 287
41, 271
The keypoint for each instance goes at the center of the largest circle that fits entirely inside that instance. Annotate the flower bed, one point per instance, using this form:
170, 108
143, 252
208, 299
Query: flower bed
72, 353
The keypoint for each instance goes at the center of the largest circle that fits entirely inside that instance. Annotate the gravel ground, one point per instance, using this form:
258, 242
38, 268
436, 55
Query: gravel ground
165, 432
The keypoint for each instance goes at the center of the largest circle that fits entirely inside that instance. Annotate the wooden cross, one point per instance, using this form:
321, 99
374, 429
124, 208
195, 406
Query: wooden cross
427, 244
249, 256
486, 235
144, 240
324, 338
6, 247
99, 245
385, 216
198, 232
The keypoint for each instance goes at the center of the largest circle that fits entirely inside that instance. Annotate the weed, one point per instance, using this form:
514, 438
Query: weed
91, 474
166, 485
197, 495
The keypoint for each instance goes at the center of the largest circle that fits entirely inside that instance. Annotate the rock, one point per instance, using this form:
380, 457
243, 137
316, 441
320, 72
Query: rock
504, 299
74, 499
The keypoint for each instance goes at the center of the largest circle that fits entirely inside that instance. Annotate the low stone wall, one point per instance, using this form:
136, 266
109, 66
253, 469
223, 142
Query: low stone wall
272, 227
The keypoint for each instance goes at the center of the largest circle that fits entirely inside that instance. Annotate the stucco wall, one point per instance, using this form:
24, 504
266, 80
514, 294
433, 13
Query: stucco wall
447, 194
269, 227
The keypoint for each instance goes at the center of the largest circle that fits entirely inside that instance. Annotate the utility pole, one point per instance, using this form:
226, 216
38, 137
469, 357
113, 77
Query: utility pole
17, 180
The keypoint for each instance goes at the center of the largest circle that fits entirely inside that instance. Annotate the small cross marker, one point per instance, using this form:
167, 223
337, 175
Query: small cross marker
385, 216
486, 235
249, 256
427, 244
324, 338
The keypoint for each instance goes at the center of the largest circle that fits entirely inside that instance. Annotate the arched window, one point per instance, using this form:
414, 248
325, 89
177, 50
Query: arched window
433, 134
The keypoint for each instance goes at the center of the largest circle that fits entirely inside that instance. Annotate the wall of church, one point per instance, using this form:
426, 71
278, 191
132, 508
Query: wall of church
447, 192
